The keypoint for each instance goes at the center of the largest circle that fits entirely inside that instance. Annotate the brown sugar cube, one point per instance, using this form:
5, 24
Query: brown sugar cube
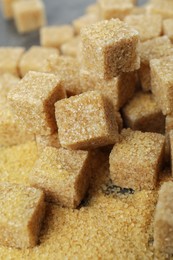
9, 59
70, 48
167, 28
55, 36
136, 160
152, 49
67, 69
163, 219
47, 140
10, 131
83, 21
110, 48
162, 83
63, 175
86, 121
33, 102
29, 15
36, 59
142, 113
163, 8
148, 26
115, 8
21, 215
7, 8
118, 90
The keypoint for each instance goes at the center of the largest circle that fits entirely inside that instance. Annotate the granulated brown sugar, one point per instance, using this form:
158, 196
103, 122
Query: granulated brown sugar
108, 227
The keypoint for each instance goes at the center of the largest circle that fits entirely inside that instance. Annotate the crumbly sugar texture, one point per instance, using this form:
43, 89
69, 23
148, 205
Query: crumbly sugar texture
118, 90
33, 102
162, 83
148, 26
7, 8
55, 36
29, 15
67, 69
163, 220
152, 49
115, 8
47, 140
22, 212
70, 48
142, 113
86, 121
167, 28
63, 175
9, 59
109, 48
163, 8
136, 160
83, 21
36, 59
10, 131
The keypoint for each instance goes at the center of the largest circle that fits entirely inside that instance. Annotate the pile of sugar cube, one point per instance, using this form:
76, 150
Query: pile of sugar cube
105, 81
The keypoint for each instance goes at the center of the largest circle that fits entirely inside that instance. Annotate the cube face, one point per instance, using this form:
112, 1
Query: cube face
118, 90
86, 121
64, 175
115, 8
22, 212
55, 36
67, 69
167, 28
152, 49
103, 44
35, 107
9, 59
35, 59
29, 15
148, 26
163, 224
142, 113
162, 83
136, 160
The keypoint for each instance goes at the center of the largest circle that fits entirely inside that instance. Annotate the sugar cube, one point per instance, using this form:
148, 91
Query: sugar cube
136, 160
63, 175
86, 121
21, 215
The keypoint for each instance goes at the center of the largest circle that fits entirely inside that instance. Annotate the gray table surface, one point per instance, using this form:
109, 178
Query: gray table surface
58, 12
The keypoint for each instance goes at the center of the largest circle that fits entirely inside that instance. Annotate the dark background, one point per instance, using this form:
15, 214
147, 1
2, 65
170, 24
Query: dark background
58, 12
